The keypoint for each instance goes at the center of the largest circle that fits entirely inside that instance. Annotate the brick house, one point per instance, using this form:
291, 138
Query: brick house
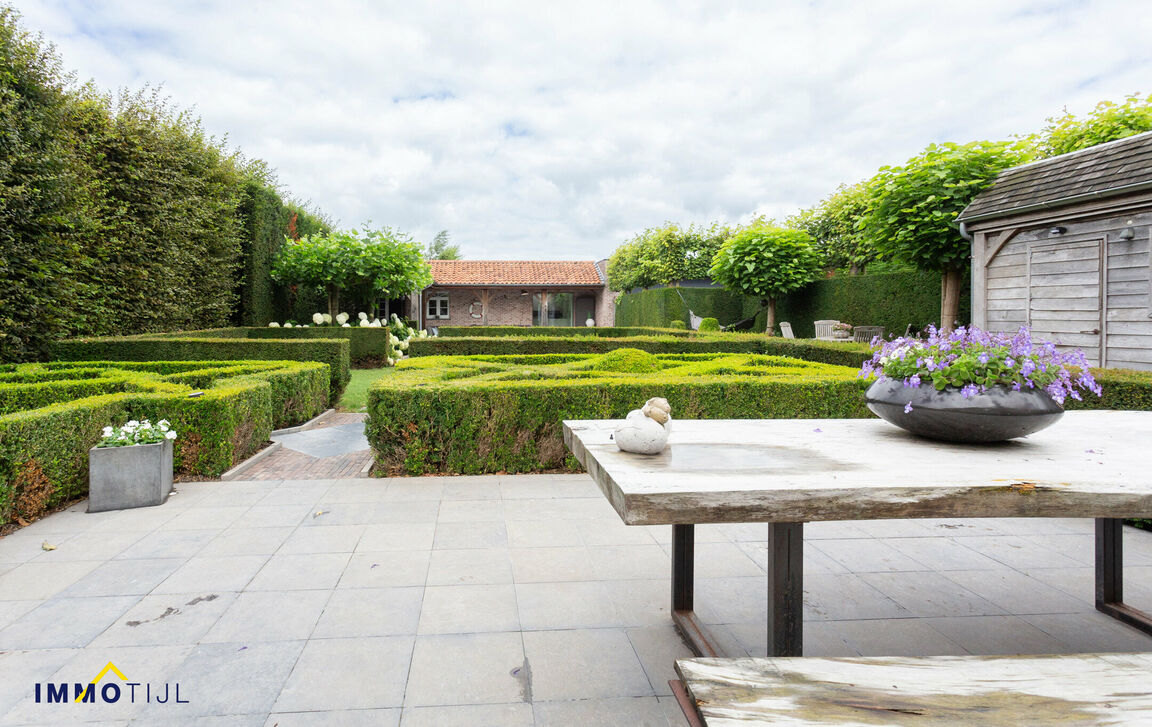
516, 293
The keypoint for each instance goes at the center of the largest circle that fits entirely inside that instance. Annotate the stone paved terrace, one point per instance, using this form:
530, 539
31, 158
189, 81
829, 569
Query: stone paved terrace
488, 601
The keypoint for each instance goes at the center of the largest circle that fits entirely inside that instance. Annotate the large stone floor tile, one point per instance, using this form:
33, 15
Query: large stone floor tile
386, 569
1015, 592
570, 605
331, 718
469, 715
65, 622
1091, 632
869, 556
315, 571
340, 674
470, 536
462, 669
627, 562
370, 612
469, 609
836, 597
658, 648
930, 594
942, 553
274, 516
397, 536
213, 574
123, 577
20, 669
470, 511
549, 565
166, 619
269, 616
246, 541
533, 534
895, 637
326, 539
631, 711
230, 679
169, 544
584, 664
412, 512
469, 567
998, 635
86, 546
36, 580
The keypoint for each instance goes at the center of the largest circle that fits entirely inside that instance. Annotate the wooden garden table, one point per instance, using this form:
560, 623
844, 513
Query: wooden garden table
786, 472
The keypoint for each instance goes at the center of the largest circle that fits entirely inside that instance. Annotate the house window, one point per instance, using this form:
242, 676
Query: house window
438, 306
552, 309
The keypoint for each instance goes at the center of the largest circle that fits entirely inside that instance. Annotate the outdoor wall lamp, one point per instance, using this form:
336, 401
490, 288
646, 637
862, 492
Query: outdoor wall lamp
1057, 230
1128, 232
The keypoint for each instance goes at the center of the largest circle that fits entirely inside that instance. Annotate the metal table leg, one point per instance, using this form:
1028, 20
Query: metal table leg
785, 589
1110, 576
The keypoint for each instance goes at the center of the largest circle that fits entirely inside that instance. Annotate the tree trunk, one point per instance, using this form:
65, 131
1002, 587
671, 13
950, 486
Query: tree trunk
770, 326
333, 301
855, 269
949, 298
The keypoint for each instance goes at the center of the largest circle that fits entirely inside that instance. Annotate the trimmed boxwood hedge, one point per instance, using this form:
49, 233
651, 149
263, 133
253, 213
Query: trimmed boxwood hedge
366, 345
556, 331
833, 352
177, 347
484, 414
52, 414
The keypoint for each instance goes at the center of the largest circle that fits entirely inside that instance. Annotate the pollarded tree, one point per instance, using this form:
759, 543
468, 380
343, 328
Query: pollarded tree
329, 261
766, 262
912, 209
391, 265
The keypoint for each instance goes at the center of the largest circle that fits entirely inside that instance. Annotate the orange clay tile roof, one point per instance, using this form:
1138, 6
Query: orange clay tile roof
515, 272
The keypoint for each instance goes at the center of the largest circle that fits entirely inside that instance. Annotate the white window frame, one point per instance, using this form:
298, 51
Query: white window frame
440, 304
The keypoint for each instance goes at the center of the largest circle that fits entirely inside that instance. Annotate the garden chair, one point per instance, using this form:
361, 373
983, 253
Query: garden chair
824, 330
786, 330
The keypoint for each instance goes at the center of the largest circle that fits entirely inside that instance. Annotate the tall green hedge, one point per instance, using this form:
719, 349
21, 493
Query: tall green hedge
331, 351
658, 307
892, 300
483, 414
121, 215
557, 331
44, 446
509, 345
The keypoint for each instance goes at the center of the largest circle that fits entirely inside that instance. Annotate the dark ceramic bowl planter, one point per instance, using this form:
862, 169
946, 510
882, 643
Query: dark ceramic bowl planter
992, 416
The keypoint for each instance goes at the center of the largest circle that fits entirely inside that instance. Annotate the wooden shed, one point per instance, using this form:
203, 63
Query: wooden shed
1061, 245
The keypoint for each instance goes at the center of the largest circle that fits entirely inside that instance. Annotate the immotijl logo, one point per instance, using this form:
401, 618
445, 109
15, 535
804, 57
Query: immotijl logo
110, 693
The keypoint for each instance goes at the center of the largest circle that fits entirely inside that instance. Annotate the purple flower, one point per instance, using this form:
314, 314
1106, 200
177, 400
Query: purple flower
969, 390
983, 357
908, 408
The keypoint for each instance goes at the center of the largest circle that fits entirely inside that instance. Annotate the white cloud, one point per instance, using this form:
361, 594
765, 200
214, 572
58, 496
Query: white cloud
558, 130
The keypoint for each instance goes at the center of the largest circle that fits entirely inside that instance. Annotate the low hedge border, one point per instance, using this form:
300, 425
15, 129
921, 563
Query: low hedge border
831, 352
366, 345
557, 331
44, 450
488, 414
335, 352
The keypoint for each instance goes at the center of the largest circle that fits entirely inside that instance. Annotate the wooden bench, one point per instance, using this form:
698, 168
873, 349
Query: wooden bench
1005, 691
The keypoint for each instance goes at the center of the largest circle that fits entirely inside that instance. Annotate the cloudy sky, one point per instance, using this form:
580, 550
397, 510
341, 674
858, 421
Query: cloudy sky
559, 130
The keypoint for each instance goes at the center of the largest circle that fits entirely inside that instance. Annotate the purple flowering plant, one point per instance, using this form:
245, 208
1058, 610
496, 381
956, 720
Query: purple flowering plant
973, 361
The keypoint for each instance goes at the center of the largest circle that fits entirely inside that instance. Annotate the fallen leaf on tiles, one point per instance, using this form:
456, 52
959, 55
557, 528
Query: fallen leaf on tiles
319, 513
374, 565
47, 546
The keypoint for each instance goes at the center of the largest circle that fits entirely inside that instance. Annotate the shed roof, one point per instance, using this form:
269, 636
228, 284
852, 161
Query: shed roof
515, 272
1104, 170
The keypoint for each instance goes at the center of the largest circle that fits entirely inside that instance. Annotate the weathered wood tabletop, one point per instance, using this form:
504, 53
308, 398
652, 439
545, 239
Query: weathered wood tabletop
1084, 689
1088, 464
787, 472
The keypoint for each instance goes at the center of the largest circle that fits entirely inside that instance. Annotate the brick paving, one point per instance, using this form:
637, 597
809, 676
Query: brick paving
287, 463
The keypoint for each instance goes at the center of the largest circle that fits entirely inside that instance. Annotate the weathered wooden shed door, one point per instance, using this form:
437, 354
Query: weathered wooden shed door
1065, 302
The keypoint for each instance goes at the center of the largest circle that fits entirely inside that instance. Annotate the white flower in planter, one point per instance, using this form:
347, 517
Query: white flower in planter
391, 362
273, 324
364, 323
169, 434
318, 318
345, 325
327, 319
288, 325
404, 345
376, 323
363, 315
341, 318
393, 340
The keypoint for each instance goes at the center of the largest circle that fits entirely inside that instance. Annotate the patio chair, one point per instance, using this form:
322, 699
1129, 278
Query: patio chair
824, 330
865, 334
786, 330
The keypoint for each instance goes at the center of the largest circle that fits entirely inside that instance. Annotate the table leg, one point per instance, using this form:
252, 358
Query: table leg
1110, 575
785, 589
683, 575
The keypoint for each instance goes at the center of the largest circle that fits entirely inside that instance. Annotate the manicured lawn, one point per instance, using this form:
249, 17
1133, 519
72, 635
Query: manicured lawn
356, 394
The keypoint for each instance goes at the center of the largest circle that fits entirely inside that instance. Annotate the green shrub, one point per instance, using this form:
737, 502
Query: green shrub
558, 331
367, 346
508, 345
677, 324
44, 446
626, 361
1123, 389
177, 347
483, 414
708, 325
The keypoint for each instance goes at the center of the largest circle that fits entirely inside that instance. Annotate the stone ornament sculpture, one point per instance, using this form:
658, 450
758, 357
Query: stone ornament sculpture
645, 430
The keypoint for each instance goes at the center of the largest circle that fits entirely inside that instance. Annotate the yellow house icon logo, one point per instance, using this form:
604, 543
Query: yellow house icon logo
110, 667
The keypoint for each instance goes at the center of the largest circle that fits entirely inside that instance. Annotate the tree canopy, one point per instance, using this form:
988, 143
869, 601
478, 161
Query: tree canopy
766, 262
833, 226
1107, 122
441, 248
664, 255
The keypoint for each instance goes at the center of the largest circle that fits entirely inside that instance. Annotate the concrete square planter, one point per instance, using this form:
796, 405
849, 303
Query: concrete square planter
125, 477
